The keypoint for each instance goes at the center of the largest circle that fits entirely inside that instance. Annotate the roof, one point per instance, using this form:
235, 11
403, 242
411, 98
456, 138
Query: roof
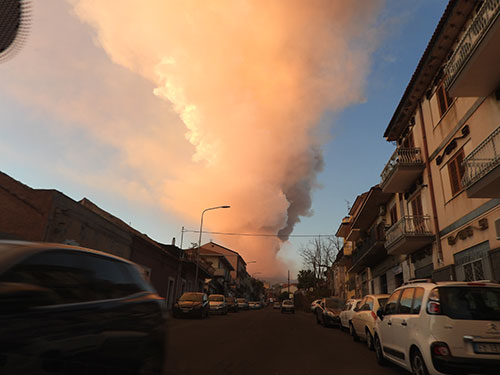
436, 53
235, 252
208, 252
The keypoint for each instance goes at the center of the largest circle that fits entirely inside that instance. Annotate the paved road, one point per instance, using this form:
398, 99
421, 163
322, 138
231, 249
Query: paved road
266, 342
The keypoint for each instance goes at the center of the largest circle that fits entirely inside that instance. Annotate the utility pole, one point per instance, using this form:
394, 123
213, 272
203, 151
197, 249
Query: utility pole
288, 283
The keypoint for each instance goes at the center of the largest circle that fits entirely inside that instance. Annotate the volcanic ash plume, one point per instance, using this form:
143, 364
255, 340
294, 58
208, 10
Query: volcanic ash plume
250, 80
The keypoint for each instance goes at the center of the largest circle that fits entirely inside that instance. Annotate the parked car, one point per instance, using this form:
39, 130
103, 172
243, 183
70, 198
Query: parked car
328, 311
192, 304
441, 328
254, 305
277, 305
348, 312
232, 305
217, 304
315, 305
287, 306
242, 303
364, 317
81, 310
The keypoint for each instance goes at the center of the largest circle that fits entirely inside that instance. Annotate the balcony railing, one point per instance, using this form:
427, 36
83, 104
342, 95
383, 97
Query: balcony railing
377, 234
402, 156
408, 226
481, 23
482, 159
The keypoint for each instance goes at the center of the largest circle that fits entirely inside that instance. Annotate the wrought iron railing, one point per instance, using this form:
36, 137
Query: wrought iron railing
402, 156
481, 23
482, 159
408, 226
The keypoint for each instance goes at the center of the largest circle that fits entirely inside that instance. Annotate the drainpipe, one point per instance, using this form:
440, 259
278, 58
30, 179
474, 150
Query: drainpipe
431, 186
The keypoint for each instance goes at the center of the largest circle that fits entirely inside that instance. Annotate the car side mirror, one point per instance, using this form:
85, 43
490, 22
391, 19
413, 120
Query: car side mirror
380, 313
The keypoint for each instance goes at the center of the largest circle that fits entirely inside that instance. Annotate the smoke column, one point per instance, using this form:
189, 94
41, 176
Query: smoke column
250, 81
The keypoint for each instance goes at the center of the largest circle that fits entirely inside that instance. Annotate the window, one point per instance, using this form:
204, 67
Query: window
398, 279
456, 171
74, 277
416, 206
417, 300
392, 303
394, 215
383, 284
444, 100
406, 301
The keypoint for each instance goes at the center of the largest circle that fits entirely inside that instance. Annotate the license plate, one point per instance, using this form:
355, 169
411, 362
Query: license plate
487, 348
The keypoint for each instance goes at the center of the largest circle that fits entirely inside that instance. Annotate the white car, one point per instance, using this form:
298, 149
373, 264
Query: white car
441, 328
315, 304
363, 320
217, 304
348, 312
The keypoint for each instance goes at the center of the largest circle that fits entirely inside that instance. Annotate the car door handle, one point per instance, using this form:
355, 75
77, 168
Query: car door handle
403, 323
389, 323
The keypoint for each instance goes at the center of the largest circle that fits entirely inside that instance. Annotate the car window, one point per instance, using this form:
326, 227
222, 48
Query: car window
361, 304
370, 303
75, 276
392, 303
417, 300
405, 301
470, 303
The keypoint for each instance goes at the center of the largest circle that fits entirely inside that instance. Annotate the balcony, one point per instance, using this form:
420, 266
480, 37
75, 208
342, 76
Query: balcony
403, 168
371, 251
409, 234
482, 169
474, 67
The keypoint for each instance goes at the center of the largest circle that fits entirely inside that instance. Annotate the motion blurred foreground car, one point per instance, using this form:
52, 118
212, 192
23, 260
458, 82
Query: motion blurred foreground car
71, 310
192, 304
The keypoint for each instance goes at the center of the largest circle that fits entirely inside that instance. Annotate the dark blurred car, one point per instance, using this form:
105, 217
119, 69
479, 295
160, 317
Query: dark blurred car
287, 306
328, 311
192, 304
71, 310
232, 305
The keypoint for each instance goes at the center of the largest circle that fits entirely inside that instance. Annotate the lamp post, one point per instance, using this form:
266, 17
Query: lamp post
199, 240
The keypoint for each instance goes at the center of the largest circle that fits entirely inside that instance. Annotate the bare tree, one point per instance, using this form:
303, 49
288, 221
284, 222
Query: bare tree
319, 254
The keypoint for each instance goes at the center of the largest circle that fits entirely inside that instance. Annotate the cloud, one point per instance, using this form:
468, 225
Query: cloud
248, 80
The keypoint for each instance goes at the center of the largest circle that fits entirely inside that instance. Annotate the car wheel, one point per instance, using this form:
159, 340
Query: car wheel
352, 331
417, 364
379, 353
369, 339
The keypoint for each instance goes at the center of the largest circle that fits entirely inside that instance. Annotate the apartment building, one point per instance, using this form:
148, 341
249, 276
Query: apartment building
445, 171
436, 211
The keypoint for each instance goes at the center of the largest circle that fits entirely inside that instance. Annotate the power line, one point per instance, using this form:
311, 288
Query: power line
260, 234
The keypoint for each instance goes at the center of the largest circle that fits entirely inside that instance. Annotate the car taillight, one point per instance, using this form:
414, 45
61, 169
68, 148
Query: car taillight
440, 349
374, 316
434, 307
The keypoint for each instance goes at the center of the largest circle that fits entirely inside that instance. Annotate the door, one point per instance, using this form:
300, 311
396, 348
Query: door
385, 327
400, 324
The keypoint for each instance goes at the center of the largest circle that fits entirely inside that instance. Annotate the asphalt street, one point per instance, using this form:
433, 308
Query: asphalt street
266, 342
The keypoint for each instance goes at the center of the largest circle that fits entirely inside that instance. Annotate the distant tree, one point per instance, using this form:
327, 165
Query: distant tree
319, 254
283, 296
306, 279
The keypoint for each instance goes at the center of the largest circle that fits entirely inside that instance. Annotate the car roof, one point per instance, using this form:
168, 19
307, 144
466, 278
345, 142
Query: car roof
433, 284
12, 252
377, 295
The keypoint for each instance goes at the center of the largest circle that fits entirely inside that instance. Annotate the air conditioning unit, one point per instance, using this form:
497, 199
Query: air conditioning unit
497, 228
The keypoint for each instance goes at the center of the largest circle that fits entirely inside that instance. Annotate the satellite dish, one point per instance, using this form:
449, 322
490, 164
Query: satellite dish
14, 26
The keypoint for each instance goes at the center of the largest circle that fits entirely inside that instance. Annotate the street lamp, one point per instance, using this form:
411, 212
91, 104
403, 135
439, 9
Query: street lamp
199, 240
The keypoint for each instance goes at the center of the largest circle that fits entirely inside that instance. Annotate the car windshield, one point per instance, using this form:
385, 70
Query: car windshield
216, 298
241, 300
191, 297
470, 303
288, 303
229, 299
382, 301
334, 303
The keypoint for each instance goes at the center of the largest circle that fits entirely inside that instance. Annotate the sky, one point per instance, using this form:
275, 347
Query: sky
156, 113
